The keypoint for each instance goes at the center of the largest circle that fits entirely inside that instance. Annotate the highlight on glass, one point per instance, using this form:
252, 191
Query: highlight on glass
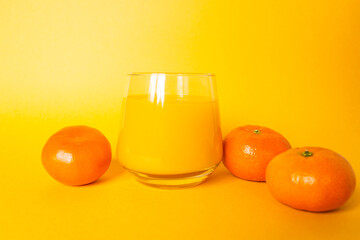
170, 134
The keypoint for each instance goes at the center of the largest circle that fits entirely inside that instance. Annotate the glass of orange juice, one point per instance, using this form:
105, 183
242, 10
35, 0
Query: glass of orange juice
170, 134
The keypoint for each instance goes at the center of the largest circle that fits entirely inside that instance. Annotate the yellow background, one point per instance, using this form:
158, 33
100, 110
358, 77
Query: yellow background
289, 65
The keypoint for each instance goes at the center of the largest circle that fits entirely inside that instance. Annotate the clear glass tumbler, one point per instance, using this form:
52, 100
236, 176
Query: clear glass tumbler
170, 134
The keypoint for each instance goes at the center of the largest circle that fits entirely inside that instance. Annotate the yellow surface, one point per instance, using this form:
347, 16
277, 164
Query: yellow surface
289, 65
179, 137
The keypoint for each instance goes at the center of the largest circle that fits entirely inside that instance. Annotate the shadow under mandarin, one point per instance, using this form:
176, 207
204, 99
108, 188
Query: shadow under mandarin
115, 170
353, 202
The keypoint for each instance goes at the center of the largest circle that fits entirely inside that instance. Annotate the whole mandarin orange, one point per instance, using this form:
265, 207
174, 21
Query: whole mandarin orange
76, 155
249, 149
311, 178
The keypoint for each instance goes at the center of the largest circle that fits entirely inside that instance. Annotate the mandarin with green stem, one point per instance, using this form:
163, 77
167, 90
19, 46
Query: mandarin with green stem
249, 149
311, 178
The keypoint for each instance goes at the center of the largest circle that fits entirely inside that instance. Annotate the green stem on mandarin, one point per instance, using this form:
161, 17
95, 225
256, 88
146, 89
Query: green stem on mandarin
306, 153
257, 131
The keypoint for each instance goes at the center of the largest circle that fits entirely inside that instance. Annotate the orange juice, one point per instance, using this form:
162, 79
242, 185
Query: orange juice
173, 136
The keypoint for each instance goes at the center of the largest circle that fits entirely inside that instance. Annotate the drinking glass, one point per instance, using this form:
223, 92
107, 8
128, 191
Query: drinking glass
170, 134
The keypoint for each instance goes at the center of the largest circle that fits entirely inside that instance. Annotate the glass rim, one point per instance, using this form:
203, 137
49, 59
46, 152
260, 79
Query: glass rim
171, 74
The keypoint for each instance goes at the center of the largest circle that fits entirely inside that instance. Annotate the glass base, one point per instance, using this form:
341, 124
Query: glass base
175, 181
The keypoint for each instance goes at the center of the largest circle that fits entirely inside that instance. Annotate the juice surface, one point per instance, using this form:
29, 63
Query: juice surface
175, 136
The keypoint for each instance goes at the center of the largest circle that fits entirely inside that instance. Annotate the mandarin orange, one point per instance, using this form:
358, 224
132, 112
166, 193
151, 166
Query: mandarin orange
249, 149
76, 155
311, 178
